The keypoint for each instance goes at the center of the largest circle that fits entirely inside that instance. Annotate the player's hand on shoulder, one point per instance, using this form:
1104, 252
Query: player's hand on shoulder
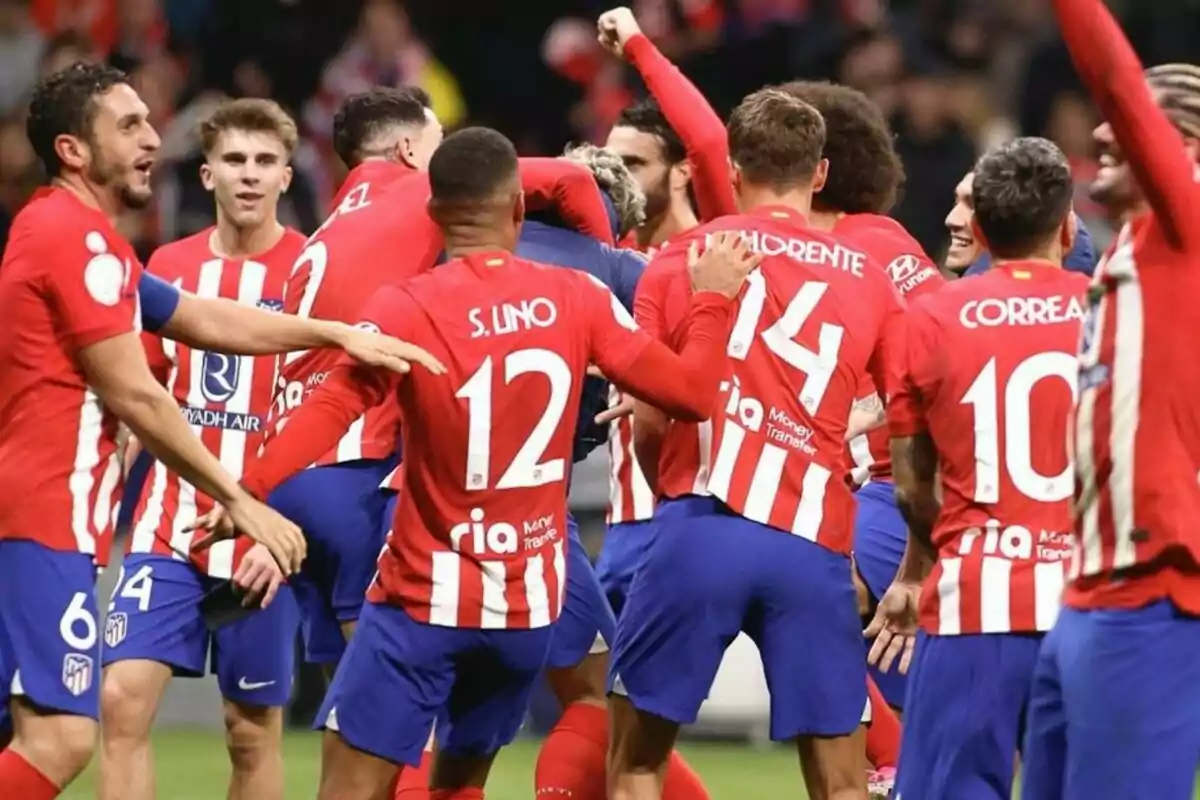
365, 344
722, 264
617, 27
282, 537
894, 627
258, 577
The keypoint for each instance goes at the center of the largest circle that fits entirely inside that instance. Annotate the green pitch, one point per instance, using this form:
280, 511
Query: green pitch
191, 765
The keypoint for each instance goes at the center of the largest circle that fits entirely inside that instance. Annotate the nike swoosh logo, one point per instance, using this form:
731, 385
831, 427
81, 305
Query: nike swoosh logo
247, 686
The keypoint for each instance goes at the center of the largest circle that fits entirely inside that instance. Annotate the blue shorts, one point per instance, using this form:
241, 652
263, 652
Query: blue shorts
587, 624
341, 509
1113, 712
965, 714
155, 616
49, 628
400, 676
623, 552
880, 534
709, 574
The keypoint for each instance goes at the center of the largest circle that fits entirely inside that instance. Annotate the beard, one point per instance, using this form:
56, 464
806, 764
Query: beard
658, 198
109, 176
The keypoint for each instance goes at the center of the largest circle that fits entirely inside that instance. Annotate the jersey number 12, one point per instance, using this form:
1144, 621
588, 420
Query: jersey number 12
527, 468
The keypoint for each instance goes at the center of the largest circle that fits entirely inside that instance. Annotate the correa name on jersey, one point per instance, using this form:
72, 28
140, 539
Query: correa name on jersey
1021, 311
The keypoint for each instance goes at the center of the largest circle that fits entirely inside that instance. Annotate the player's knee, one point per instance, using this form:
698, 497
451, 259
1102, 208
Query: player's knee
127, 704
253, 735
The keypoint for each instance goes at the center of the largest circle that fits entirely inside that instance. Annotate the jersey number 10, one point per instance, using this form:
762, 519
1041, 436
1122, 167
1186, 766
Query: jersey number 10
983, 396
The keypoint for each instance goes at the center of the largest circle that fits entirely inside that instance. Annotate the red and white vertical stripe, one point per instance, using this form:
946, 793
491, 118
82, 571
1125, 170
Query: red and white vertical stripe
752, 476
454, 590
1107, 418
991, 594
170, 504
630, 497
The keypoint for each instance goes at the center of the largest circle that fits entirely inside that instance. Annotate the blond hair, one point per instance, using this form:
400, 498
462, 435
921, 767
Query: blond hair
616, 180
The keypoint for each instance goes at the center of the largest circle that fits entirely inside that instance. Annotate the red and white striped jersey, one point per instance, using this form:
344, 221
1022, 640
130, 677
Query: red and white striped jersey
811, 322
225, 398
68, 280
479, 534
988, 371
379, 234
630, 497
914, 275
1137, 431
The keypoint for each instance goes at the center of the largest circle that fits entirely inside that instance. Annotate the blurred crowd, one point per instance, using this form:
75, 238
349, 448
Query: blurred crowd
953, 75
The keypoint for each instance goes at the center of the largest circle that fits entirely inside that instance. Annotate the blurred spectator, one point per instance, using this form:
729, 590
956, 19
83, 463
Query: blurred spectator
936, 152
94, 19
21, 45
63, 50
1071, 123
141, 33
20, 173
383, 51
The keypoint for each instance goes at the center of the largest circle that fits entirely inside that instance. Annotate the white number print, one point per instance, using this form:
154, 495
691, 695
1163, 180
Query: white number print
316, 256
526, 469
139, 586
983, 396
78, 624
818, 367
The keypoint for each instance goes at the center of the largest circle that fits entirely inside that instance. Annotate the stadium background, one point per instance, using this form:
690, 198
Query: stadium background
953, 75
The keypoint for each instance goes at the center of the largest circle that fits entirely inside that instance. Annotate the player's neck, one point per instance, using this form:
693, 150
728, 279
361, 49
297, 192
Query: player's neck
677, 219
230, 241
463, 240
91, 195
799, 200
1045, 258
824, 220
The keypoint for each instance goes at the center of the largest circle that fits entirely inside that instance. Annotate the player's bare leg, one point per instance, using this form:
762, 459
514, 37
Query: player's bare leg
412, 783
459, 777
348, 773
638, 751
348, 628
57, 746
832, 766
129, 698
254, 739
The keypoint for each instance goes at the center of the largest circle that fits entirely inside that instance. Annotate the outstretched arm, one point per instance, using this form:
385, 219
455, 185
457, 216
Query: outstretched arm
571, 190
315, 428
1152, 145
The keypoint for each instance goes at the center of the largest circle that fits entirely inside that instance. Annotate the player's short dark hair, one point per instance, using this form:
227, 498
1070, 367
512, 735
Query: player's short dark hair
365, 116
250, 114
865, 172
1022, 193
775, 138
65, 104
472, 166
646, 116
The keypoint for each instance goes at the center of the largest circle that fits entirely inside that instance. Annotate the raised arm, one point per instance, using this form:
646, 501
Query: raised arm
686, 109
1151, 145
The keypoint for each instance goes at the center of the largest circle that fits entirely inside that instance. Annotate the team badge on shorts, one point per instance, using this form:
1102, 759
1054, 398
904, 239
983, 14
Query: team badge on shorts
115, 628
77, 673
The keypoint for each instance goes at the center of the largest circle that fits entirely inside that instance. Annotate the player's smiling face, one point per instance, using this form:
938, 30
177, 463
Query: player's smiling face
122, 146
247, 171
1114, 186
422, 146
643, 154
963, 247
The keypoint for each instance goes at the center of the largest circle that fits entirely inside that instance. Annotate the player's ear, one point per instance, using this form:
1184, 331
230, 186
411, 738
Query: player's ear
820, 175
735, 179
519, 208
287, 178
1070, 230
406, 150
206, 177
72, 151
680, 175
980, 239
